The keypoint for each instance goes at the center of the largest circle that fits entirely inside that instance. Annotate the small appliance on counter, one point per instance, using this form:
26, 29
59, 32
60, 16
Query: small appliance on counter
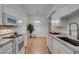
54, 33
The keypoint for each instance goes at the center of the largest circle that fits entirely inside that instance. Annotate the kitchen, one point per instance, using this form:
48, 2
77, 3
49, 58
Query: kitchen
57, 23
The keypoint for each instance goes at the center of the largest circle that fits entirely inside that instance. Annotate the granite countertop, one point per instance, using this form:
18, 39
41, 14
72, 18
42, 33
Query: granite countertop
4, 41
70, 46
6, 34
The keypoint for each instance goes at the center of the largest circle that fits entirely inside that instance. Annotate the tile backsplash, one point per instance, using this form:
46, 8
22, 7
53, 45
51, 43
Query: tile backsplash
5, 30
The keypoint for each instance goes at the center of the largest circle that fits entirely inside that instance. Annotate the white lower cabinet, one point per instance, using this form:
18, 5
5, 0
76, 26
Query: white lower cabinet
6, 48
9, 51
50, 44
57, 47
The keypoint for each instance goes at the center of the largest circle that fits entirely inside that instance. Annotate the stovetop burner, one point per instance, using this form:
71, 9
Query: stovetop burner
12, 36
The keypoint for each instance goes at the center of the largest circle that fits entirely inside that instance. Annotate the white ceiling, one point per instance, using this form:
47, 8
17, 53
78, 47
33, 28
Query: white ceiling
36, 9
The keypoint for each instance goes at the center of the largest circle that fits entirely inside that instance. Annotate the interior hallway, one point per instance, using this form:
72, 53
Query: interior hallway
37, 46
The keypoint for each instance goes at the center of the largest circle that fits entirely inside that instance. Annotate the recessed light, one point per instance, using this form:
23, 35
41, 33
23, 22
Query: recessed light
55, 21
37, 21
19, 21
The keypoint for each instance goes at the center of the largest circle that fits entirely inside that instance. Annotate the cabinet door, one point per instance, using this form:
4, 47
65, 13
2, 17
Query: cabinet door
7, 9
9, 51
73, 7
5, 48
59, 48
10, 10
50, 44
56, 48
62, 11
0, 14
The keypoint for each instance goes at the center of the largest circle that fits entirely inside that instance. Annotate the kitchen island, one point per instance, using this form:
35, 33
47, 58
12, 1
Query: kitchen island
58, 46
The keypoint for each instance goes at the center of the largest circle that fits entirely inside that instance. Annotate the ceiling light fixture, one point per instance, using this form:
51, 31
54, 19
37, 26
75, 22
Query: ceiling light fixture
19, 21
37, 21
55, 21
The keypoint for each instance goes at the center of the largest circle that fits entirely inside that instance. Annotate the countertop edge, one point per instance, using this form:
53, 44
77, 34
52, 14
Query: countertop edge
5, 42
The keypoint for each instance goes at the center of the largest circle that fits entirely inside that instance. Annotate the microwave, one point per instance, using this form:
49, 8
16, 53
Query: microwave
9, 20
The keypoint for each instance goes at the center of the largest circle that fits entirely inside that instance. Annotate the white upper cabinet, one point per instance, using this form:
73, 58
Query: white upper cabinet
1, 14
70, 9
60, 12
10, 15
8, 9
73, 7
63, 11
66, 9
11, 10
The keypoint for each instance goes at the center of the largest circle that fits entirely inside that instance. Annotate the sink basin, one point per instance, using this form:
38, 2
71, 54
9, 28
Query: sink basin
69, 40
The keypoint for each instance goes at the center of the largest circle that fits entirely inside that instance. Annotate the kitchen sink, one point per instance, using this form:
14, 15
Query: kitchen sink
69, 40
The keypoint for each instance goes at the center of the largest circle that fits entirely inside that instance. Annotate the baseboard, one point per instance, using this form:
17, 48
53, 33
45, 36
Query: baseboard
25, 49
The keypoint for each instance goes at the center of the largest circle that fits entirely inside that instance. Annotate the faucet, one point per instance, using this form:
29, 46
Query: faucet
71, 30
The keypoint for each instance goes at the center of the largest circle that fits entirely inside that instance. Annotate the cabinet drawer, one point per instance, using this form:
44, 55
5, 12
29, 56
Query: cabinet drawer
4, 48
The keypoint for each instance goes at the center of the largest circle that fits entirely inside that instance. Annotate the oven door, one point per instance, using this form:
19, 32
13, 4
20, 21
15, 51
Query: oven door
20, 46
8, 20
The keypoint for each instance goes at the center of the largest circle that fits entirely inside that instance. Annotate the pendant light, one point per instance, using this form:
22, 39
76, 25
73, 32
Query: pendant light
37, 21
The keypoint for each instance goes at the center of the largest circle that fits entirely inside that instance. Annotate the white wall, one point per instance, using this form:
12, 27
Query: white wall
61, 26
41, 29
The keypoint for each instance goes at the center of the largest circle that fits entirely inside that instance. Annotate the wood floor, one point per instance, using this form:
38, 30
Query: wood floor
37, 46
